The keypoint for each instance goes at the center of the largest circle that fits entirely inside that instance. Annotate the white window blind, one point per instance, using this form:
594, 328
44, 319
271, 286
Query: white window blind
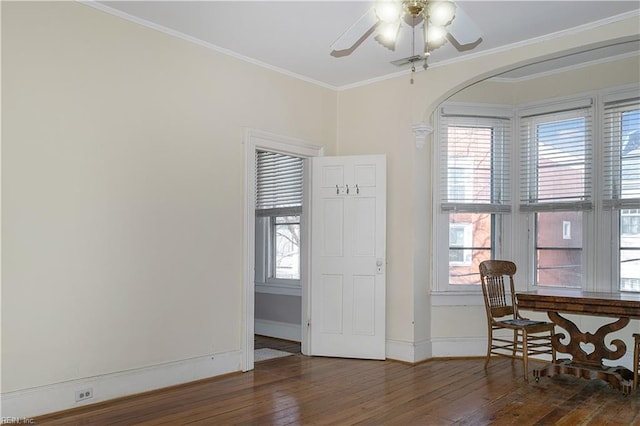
476, 157
622, 154
556, 161
279, 183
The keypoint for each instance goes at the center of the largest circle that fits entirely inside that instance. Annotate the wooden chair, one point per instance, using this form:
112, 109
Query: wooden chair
636, 359
530, 338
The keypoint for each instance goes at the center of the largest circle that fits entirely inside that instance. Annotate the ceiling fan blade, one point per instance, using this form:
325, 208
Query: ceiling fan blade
353, 35
463, 29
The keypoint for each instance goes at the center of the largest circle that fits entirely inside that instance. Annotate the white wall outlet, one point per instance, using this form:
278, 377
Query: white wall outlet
84, 394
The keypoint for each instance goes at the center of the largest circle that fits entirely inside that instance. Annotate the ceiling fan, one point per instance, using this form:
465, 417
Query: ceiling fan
440, 19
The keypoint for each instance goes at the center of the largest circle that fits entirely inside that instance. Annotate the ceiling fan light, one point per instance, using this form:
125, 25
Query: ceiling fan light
388, 10
435, 35
441, 12
389, 31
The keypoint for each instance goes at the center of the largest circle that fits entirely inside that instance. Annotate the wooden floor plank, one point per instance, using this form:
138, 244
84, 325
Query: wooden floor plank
300, 390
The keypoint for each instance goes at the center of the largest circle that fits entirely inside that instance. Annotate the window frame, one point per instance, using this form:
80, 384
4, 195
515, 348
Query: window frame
601, 223
492, 116
615, 202
266, 215
530, 117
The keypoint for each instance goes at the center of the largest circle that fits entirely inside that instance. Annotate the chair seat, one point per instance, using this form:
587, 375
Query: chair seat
531, 326
521, 322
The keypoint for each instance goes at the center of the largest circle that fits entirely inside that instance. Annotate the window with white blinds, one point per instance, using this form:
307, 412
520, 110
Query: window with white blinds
279, 183
622, 154
556, 160
476, 153
578, 176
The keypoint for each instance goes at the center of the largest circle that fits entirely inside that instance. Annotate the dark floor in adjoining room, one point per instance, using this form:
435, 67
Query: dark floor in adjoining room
279, 344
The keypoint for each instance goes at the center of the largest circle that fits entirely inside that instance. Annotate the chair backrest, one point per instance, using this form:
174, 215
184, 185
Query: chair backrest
494, 275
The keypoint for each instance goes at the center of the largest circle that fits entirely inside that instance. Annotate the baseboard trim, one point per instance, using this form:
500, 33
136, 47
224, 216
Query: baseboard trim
61, 396
279, 330
444, 347
413, 352
410, 352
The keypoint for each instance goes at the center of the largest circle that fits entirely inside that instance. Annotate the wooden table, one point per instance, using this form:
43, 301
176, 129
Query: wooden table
588, 365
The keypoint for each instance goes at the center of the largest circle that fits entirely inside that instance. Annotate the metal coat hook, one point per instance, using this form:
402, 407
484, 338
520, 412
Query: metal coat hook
337, 190
347, 189
357, 189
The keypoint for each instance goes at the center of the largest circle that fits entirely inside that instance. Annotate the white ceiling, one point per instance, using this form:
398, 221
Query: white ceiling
295, 36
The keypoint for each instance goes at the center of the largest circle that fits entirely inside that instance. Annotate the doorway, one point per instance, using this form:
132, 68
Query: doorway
278, 228
258, 141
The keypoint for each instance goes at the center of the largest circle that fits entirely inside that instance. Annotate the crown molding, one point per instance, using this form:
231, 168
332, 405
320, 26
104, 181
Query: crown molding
104, 8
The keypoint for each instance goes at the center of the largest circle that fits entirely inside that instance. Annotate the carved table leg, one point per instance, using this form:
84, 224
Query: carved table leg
589, 365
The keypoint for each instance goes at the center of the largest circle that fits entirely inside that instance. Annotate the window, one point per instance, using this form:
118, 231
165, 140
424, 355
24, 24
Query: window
460, 177
460, 237
474, 193
574, 219
629, 221
286, 250
279, 186
556, 166
622, 184
558, 260
566, 229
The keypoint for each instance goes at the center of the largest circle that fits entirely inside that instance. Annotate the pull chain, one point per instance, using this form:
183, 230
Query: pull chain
413, 46
426, 41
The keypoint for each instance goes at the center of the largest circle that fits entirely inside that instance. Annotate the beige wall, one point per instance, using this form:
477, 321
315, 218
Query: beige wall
122, 190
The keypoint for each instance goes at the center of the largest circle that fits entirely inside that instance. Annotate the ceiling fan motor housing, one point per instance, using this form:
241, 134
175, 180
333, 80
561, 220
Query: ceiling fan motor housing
414, 7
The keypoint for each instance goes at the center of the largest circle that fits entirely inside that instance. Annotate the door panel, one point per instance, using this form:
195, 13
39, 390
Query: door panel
348, 237
332, 290
333, 226
364, 305
365, 227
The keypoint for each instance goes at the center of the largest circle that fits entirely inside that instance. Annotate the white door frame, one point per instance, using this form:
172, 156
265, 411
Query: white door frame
260, 140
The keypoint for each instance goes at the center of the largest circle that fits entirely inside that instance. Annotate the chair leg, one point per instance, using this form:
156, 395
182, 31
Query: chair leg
525, 354
489, 343
636, 360
553, 349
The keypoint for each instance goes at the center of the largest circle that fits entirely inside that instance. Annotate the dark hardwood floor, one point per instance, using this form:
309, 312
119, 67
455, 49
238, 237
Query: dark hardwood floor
299, 390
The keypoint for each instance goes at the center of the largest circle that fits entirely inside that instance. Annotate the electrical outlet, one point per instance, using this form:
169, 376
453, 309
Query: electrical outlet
84, 394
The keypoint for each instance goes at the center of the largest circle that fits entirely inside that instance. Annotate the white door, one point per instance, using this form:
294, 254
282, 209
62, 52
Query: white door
348, 238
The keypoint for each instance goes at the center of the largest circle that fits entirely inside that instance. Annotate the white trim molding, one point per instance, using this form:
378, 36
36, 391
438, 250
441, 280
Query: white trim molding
411, 352
40, 400
439, 347
421, 131
444, 347
279, 330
